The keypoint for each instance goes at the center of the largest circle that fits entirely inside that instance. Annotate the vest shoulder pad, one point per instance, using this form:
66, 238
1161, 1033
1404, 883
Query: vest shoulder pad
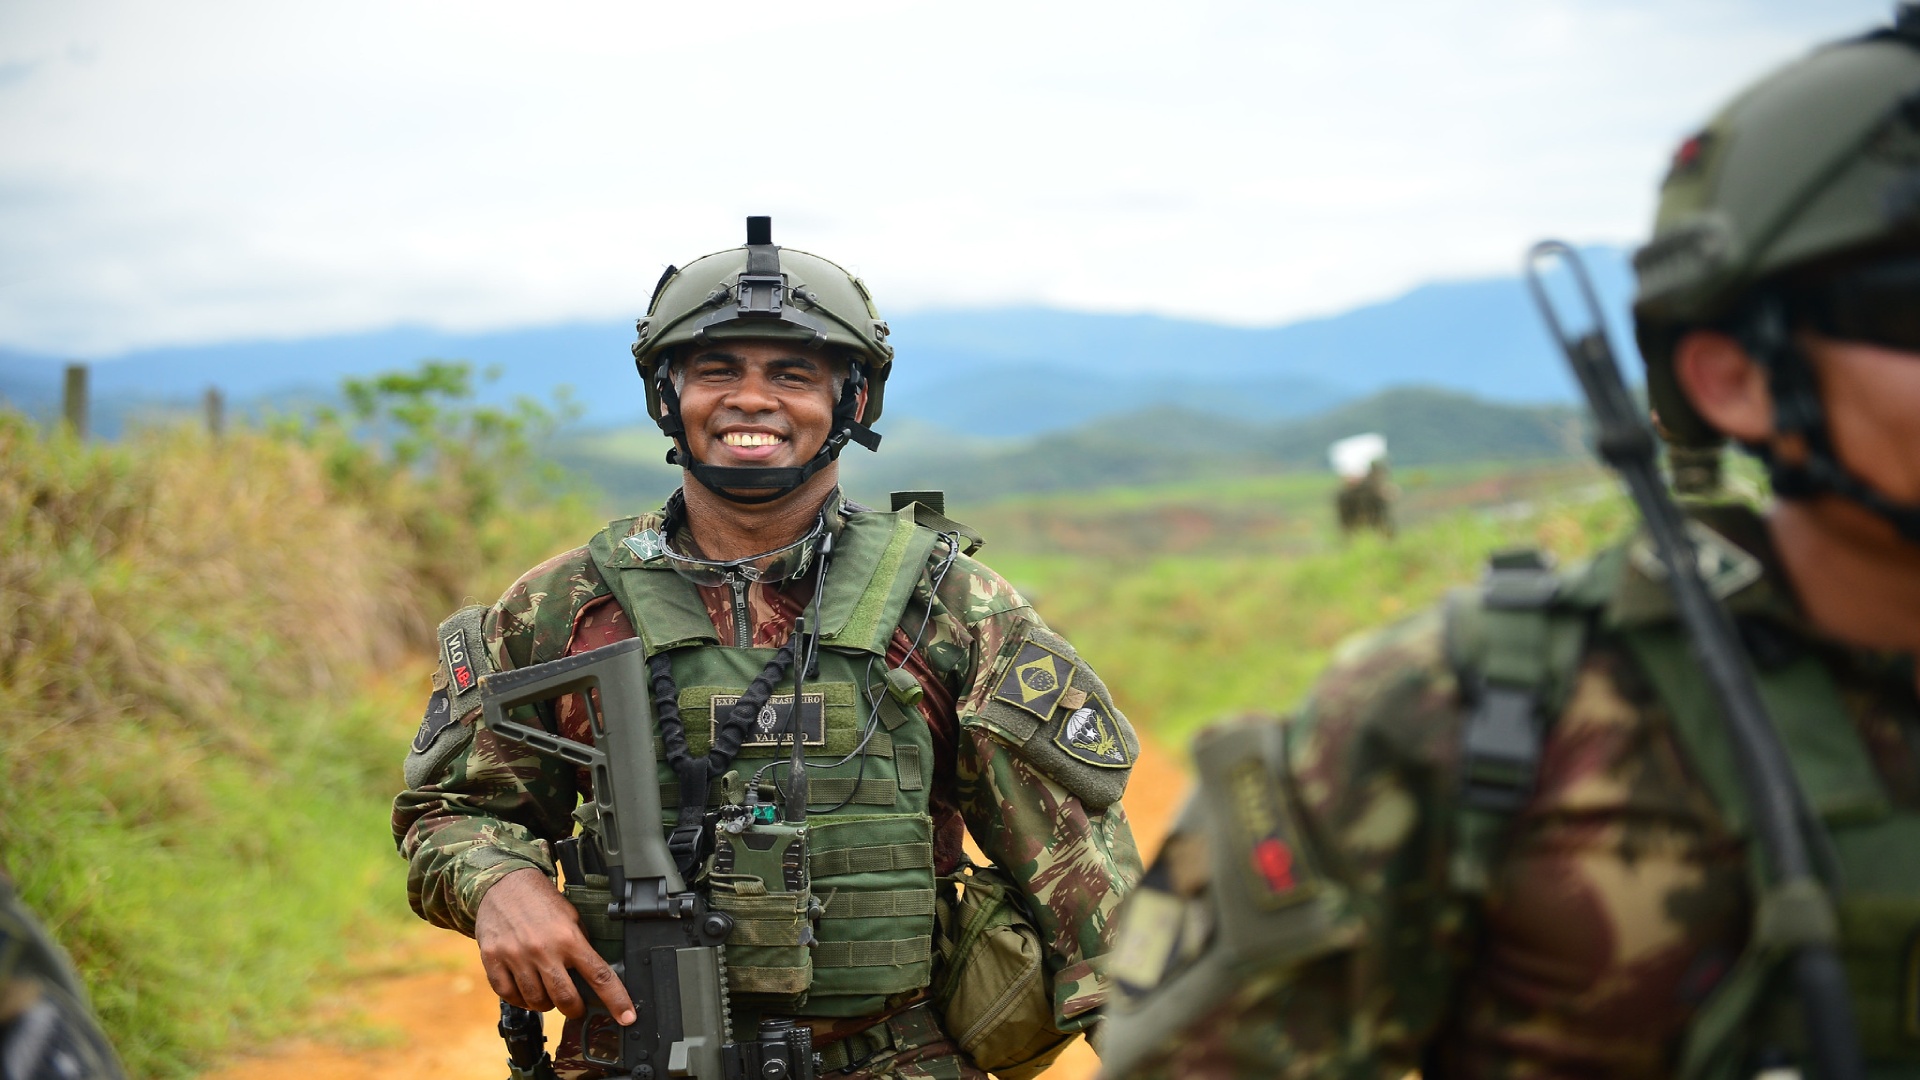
929, 511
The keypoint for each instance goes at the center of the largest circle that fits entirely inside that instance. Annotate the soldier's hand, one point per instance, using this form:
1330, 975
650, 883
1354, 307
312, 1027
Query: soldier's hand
530, 937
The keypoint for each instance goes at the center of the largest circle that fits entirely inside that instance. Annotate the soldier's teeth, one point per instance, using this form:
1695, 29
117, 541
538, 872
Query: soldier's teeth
749, 438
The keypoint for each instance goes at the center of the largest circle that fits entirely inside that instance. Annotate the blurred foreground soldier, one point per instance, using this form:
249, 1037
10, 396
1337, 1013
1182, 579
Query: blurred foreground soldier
938, 704
1366, 503
47, 1032
1509, 838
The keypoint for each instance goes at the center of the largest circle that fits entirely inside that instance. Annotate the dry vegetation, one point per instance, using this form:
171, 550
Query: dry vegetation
194, 785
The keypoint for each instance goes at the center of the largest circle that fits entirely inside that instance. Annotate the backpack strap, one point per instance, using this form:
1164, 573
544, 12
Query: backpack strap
1514, 645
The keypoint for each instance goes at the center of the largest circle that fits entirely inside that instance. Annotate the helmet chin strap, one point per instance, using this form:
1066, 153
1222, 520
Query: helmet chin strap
732, 482
1766, 332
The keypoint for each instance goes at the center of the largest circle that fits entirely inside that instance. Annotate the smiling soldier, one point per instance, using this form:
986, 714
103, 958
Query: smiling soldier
935, 703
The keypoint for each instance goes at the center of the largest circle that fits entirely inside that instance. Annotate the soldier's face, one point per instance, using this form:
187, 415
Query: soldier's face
760, 404
1870, 394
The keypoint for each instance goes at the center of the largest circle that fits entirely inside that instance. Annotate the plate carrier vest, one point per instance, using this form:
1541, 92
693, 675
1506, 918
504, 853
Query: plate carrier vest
868, 877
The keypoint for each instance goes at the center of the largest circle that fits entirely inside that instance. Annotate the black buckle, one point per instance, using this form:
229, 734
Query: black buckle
1502, 749
684, 843
1520, 581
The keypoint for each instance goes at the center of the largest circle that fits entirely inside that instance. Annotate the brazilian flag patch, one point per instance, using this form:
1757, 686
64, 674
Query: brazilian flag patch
1036, 679
1089, 734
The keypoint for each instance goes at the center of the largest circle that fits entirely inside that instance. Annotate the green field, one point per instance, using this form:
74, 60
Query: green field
1187, 635
203, 637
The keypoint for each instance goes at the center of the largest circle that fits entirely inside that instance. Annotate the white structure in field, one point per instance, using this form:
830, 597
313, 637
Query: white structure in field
1353, 456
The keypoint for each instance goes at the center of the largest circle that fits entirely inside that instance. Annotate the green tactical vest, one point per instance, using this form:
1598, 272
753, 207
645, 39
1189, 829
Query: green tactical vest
1524, 633
870, 857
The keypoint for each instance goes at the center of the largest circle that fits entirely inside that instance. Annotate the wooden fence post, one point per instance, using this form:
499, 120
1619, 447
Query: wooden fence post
73, 399
216, 407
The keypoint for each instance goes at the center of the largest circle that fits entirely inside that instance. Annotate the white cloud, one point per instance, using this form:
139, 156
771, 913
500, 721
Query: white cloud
207, 170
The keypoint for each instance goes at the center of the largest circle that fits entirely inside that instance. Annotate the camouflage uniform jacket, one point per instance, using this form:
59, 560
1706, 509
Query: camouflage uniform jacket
1618, 901
495, 806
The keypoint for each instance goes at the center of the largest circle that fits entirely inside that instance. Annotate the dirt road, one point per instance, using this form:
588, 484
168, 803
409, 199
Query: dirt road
425, 1009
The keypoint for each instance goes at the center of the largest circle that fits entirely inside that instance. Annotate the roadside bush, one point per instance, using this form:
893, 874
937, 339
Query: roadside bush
200, 649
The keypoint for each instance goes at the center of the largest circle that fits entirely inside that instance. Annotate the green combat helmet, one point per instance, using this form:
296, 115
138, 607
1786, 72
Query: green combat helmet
1797, 206
764, 291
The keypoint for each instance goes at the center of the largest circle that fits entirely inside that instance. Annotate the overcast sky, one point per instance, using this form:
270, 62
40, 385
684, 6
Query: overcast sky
199, 171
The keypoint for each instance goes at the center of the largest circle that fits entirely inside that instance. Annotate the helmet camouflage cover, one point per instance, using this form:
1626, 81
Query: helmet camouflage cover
1816, 160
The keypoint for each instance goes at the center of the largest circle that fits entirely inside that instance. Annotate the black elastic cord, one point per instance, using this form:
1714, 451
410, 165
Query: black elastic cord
1765, 331
695, 772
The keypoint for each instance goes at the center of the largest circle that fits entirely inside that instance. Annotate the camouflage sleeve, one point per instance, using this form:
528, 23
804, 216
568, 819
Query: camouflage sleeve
492, 808
1371, 763
1073, 863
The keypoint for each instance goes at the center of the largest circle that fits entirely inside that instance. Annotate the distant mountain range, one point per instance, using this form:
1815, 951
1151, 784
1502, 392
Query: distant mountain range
999, 372
1164, 445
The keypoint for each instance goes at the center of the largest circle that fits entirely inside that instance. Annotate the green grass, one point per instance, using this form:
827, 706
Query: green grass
1186, 640
209, 652
203, 893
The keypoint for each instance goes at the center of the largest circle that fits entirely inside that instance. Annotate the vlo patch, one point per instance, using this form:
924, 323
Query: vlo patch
453, 651
1089, 734
1036, 680
1263, 835
769, 728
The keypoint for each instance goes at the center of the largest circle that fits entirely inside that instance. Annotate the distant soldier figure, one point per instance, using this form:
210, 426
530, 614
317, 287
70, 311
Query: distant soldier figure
1367, 503
47, 1030
1365, 498
936, 705
1511, 838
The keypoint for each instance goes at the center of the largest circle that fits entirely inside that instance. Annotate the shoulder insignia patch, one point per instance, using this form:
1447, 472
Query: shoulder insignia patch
1036, 680
1262, 836
457, 660
1088, 734
439, 715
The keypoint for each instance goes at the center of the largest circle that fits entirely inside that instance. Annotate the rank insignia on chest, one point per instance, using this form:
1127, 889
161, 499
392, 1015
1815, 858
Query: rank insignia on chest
1089, 734
1036, 679
770, 725
647, 545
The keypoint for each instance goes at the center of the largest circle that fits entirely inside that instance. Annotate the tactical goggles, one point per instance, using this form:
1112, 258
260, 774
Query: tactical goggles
1877, 303
779, 564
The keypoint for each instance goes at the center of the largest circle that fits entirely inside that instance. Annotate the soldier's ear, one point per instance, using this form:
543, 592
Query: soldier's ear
1724, 384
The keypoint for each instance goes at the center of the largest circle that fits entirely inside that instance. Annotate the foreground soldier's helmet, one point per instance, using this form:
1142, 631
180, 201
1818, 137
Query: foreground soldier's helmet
1815, 166
46, 1030
764, 291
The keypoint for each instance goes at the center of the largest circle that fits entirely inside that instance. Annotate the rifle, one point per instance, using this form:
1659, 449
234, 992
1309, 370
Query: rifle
673, 956
1778, 808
